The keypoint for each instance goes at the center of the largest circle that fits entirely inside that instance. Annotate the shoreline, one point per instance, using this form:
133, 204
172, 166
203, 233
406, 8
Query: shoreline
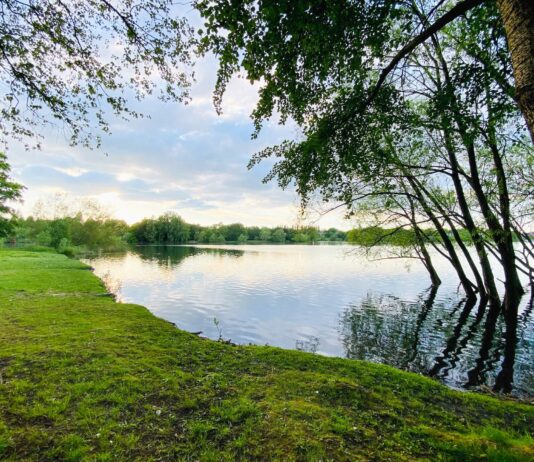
85, 378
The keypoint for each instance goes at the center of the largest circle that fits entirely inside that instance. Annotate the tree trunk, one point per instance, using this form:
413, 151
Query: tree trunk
505, 379
518, 20
427, 259
420, 239
502, 238
458, 239
489, 280
467, 285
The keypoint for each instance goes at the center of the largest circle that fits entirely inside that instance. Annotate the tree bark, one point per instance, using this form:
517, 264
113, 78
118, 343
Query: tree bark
427, 259
518, 20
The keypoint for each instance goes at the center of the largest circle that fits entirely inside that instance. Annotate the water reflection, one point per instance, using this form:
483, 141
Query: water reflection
171, 256
309, 345
321, 300
459, 338
462, 342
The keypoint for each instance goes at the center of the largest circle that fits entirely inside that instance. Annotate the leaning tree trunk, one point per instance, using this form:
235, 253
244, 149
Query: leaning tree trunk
420, 239
518, 20
427, 259
449, 246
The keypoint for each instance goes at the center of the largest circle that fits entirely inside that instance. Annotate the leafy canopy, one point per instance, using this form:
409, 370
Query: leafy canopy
319, 61
9, 191
71, 62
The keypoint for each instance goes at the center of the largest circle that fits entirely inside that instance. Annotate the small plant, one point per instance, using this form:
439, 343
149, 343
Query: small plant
219, 330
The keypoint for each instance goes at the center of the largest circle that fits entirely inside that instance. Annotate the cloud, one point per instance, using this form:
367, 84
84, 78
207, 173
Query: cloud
95, 183
184, 158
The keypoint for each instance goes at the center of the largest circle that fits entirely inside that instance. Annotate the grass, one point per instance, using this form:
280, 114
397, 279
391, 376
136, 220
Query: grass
85, 378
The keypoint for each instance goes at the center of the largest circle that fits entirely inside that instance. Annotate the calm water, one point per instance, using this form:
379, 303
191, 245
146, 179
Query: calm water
323, 299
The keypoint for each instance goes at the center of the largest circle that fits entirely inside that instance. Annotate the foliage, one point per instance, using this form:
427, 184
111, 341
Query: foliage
318, 61
375, 235
10, 191
333, 234
149, 231
73, 62
278, 235
232, 232
114, 382
265, 234
76, 233
71, 235
301, 49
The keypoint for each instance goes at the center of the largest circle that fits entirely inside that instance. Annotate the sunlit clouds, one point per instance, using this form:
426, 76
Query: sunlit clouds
182, 158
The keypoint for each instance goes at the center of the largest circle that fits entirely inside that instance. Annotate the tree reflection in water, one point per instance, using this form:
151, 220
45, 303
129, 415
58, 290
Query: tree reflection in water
462, 342
172, 256
309, 345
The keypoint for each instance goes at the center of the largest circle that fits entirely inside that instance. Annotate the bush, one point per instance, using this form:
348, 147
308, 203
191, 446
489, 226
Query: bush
375, 235
66, 234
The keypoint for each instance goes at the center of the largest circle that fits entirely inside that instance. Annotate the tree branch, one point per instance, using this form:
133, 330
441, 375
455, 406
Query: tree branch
458, 10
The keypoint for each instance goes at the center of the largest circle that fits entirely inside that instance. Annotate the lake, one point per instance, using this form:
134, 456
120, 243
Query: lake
325, 299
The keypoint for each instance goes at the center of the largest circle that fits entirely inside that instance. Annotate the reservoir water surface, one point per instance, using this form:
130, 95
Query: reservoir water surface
325, 299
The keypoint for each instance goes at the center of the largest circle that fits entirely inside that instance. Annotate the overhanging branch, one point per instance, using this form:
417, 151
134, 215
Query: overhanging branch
458, 10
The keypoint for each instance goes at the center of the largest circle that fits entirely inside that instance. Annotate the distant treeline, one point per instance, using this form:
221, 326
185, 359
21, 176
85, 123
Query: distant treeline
76, 234
372, 236
71, 235
171, 229
405, 237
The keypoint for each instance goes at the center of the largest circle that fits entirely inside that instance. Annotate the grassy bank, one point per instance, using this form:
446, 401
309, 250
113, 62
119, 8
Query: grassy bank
84, 378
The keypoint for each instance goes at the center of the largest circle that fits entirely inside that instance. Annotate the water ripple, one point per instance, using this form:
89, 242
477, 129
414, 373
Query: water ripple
321, 299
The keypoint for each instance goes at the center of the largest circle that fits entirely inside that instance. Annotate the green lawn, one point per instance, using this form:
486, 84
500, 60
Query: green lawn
85, 378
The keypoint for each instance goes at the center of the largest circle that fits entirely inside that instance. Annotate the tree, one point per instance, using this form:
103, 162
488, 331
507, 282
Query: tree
66, 224
194, 232
145, 231
253, 233
73, 62
171, 229
518, 20
333, 234
9, 191
366, 33
233, 231
216, 238
265, 234
278, 235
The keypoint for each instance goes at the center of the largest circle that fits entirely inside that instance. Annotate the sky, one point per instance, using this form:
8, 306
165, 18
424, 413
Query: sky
184, 158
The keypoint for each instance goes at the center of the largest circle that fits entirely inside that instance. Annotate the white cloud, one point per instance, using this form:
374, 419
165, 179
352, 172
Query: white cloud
183, 158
